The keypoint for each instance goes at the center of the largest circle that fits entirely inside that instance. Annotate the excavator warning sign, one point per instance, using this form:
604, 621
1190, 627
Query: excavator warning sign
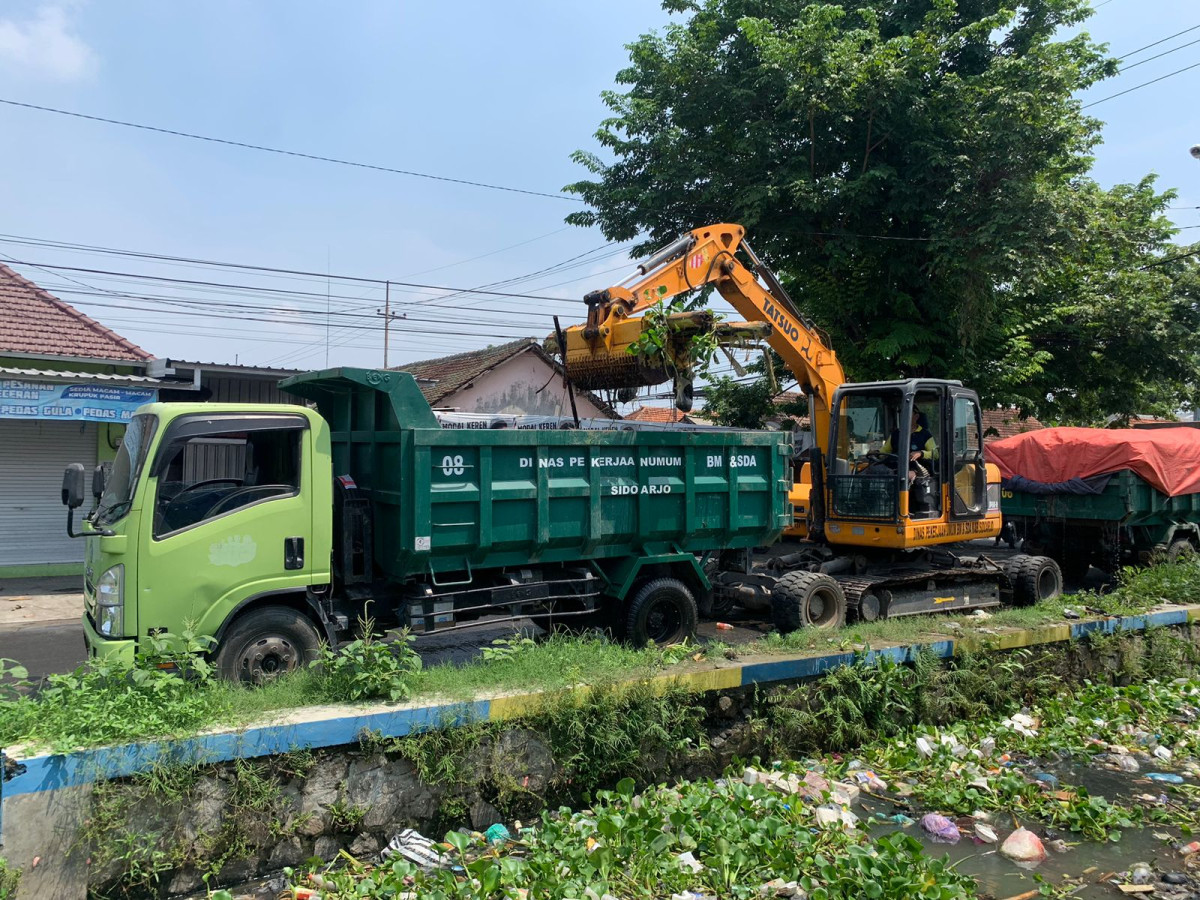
696, 260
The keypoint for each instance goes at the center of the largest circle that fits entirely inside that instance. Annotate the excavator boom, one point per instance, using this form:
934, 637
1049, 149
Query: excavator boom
598, 352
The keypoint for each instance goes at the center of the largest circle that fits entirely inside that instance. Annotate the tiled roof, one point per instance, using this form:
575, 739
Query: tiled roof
441, 377
658, 414
35, 322
1004, 423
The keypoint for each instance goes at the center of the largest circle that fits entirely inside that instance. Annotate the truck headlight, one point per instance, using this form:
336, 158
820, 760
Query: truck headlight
993, 495
110, 602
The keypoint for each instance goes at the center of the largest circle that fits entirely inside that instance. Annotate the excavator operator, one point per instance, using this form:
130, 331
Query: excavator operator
921, 445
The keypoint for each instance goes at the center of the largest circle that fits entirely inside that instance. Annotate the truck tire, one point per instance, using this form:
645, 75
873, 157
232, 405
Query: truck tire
807, 600
1180, 550
662, 612
266, 643
1033, 579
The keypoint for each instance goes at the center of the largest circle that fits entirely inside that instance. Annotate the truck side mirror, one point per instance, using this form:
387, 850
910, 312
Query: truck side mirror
99, 477
72, 486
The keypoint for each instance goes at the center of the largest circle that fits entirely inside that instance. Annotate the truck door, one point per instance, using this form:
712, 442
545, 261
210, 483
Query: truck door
231, 517
968, 476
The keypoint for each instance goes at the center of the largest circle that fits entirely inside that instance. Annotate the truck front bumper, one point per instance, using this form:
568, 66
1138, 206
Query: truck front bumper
100, 647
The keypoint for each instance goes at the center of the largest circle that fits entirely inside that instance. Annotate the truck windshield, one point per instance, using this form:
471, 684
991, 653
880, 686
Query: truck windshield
126, 469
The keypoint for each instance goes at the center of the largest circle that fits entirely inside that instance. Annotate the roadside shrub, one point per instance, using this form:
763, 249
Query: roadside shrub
367, 669
106, 701
9, 880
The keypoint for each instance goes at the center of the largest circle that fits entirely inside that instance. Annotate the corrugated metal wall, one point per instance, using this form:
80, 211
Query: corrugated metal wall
233, 389
33, 521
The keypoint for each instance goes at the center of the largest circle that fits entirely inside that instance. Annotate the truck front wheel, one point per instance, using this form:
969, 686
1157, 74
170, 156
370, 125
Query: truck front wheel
266, 643
663, 611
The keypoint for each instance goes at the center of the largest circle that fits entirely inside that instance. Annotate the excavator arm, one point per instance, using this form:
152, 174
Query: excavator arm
598, 354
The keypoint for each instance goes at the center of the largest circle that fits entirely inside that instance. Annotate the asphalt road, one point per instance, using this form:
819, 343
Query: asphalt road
44, 649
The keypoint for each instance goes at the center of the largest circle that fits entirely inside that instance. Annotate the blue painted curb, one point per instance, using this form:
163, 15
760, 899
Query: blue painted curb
52, 772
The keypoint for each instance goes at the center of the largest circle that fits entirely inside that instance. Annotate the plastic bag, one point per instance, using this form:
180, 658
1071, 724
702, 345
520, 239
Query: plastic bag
1023, 846
941, 829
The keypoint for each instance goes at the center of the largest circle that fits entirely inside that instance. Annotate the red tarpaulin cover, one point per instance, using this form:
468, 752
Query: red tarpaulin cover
1168, 458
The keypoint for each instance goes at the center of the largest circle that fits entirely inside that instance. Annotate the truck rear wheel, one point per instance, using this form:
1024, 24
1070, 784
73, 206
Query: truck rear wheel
663, 611
1033, 579
266, 643
807, 600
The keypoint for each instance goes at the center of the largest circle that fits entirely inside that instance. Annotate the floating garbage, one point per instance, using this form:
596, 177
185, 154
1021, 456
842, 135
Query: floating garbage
829, 816
688, 861
1166, 777
497, 834
924, 747
1051, 781
941, 829
1162, 753
1023, 846
1189, 849
1124, 762
1141, 873
985, 833
902, 820
415, 847
1021, 724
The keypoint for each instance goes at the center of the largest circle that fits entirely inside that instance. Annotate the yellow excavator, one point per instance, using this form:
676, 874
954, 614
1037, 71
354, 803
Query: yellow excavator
889, 473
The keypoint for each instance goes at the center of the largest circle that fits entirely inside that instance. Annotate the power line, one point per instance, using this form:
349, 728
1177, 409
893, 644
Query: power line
296, 153
1140, 86
1158, 55
1156, 43
190, 282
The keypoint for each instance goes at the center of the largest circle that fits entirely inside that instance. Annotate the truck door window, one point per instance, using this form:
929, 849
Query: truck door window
212, 474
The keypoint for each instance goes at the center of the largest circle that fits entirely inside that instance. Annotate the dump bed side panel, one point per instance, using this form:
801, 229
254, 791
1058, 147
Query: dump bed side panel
451, 501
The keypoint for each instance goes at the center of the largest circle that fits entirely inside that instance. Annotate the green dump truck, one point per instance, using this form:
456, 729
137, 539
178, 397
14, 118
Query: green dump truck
273, 528
1102, 497
1125, 522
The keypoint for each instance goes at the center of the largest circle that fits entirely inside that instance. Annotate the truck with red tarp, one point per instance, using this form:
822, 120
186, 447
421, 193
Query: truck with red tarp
1102, 497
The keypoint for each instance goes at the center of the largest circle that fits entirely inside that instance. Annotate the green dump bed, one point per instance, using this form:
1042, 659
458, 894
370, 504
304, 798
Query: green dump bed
455, 500
1126, 499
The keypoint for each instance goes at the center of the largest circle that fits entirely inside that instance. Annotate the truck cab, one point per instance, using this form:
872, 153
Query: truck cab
207, 512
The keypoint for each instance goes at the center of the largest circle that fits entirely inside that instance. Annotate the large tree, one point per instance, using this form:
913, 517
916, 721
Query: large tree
916, 172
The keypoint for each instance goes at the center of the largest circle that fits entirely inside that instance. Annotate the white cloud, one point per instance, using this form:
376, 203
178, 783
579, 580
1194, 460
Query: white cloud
44, 45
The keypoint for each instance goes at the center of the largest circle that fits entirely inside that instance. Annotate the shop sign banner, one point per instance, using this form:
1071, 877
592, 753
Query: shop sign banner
71, 402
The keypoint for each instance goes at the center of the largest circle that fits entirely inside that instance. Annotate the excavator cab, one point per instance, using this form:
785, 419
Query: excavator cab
904, 466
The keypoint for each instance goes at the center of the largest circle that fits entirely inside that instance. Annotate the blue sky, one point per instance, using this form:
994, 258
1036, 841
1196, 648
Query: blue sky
497, 93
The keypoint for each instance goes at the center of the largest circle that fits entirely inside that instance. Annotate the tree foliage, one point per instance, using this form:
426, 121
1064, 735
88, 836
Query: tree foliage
750, 404
916, 171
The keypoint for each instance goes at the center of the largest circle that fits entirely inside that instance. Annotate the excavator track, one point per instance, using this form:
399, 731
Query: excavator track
889, 595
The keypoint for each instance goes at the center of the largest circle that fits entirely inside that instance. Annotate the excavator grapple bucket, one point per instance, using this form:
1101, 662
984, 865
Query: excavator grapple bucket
609, 363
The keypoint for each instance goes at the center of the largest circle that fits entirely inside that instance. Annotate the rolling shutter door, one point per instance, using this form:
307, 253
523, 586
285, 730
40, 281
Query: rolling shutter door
33, 521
